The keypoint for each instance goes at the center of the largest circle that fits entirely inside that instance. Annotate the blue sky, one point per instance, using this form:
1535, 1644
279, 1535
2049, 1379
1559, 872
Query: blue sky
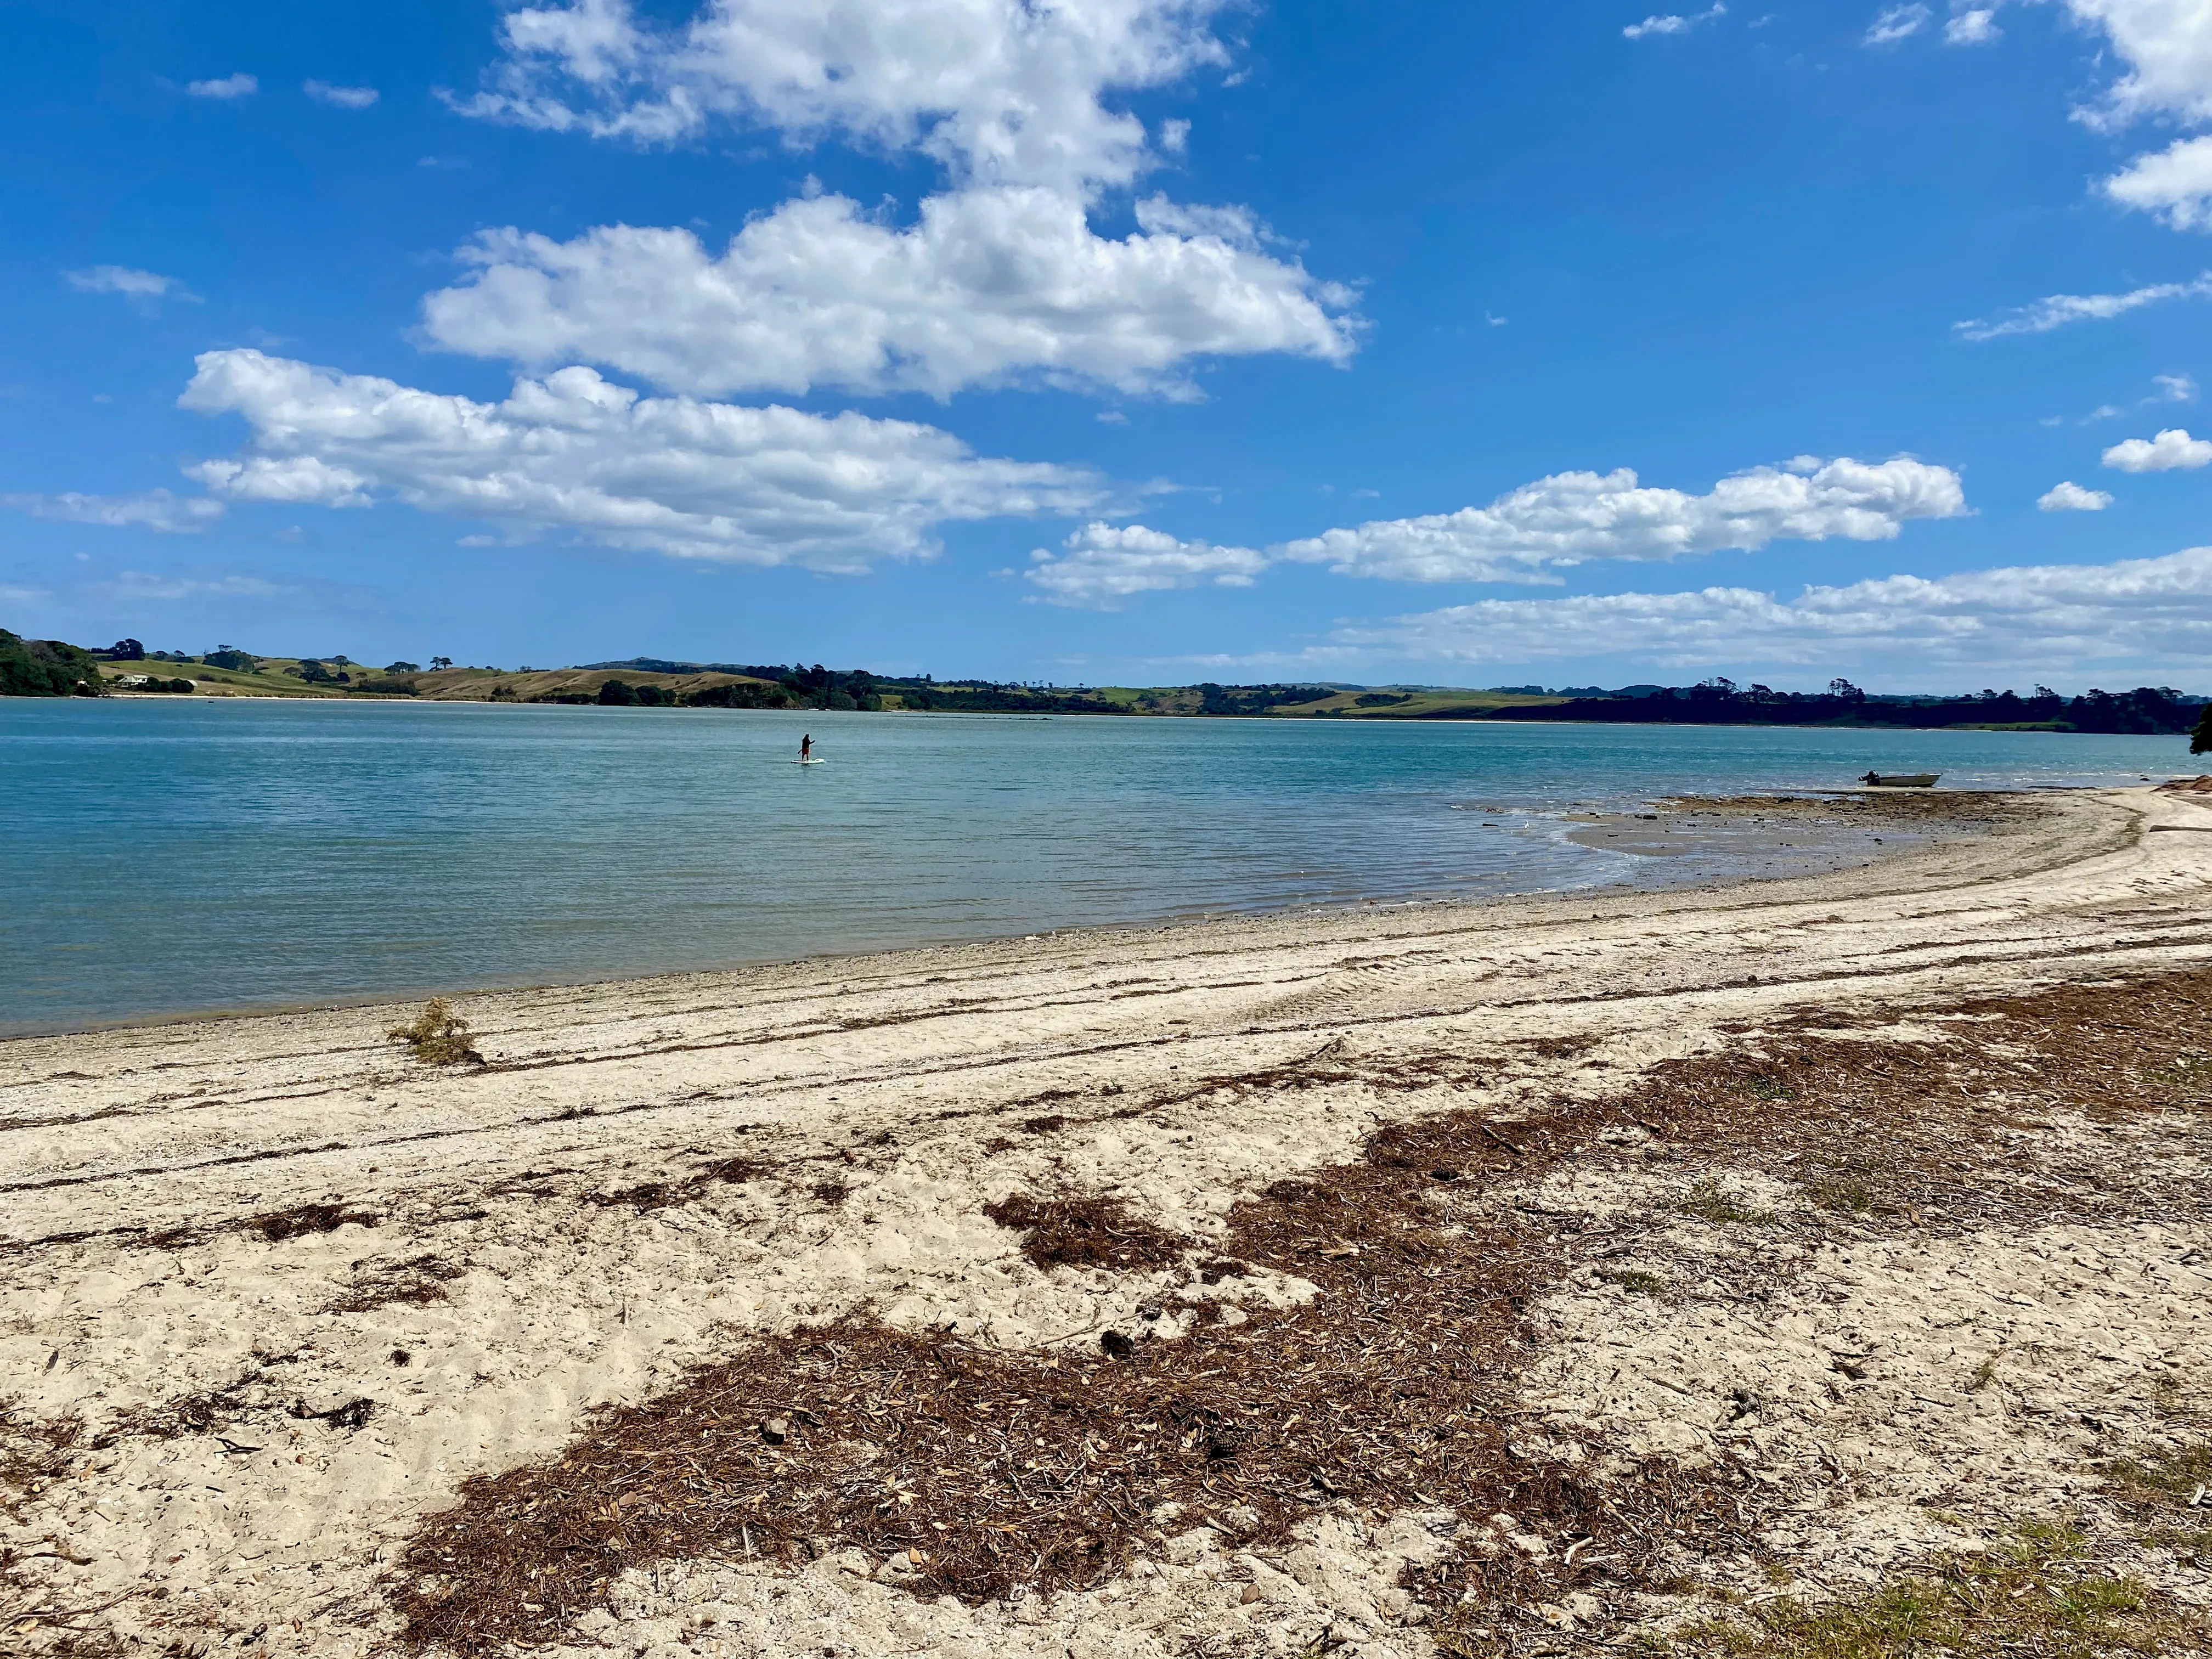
1119, 340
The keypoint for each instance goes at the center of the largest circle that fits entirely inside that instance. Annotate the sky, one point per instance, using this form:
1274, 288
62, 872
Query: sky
1119, 341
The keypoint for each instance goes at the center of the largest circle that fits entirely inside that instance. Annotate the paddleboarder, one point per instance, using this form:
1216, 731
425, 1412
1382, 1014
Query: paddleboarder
806, 748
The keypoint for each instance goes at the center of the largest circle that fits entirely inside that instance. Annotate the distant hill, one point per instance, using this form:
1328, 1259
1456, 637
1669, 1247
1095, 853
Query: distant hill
52, 668
2145, 710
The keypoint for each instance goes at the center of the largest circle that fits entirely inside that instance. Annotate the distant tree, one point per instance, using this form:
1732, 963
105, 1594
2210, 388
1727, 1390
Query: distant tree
615, 694
1845, 691
126, 651
441, 662
402, 668
47, 668
652, 696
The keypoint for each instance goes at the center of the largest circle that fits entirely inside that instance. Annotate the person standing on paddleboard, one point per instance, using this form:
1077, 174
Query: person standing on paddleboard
806, 748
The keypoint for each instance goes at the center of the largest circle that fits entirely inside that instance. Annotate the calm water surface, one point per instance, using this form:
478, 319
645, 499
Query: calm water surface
161, 857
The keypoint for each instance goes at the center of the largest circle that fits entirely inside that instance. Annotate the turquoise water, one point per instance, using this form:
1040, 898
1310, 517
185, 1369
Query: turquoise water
161, 858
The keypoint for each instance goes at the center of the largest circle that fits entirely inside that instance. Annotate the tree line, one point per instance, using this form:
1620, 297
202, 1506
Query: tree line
2145, 711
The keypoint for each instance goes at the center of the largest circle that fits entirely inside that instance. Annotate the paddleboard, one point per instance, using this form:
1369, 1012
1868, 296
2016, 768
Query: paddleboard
810, 762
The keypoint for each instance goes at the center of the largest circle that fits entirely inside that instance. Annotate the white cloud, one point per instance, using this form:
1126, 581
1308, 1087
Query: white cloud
2070, 497
144, 286
1573, 516
1897, 23
573, 452
2175, 184
2173, 389
2057, 310
1974, 27
146, 586
990, 286
1102, 564
2039, 619
339, 97
2170, 450
305, 480
152, 509
1000, 280
231, 85
1002, 91
1673, 23
2167, 47
1564, 520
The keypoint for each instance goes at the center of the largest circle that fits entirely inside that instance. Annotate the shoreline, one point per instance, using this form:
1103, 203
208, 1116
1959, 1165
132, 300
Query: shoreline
1966, 812
1749, 1181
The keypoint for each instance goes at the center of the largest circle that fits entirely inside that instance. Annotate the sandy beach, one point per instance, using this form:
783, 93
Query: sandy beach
1518, 1277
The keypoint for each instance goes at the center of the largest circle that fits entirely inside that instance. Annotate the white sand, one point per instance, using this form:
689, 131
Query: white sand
563, 1304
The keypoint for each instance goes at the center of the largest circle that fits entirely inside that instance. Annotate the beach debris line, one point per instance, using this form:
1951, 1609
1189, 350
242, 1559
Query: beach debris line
439, 1036
984, 1470
1086, 1232
1396, 1388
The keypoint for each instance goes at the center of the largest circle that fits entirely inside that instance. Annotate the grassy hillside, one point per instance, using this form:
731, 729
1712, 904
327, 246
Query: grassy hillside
655, 682
557, 684
285, 676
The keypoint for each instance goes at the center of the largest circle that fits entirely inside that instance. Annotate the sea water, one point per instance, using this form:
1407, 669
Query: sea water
164, 858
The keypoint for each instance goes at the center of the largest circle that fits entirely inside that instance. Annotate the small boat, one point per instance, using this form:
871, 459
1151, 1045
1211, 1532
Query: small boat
1901, 779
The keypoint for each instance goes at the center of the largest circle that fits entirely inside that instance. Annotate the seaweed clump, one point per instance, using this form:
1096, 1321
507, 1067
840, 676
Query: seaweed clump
439, 1036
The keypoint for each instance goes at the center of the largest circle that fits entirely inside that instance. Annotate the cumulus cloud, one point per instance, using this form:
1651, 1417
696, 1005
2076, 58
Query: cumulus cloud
1570, 517
151, 509
2070, 497
2170, 450
2168, 47
340, 97
231, 85
1566, 518
1897, 23
1672, 22
145, 287
1101, 565
575, 453
991, 285
1005, 91
1976, 26
303, 480
2042, 618
1000, 280
2057, 310
2175, 184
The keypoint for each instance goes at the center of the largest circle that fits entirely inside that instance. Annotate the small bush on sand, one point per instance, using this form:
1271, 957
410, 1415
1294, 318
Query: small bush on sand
439, 1036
